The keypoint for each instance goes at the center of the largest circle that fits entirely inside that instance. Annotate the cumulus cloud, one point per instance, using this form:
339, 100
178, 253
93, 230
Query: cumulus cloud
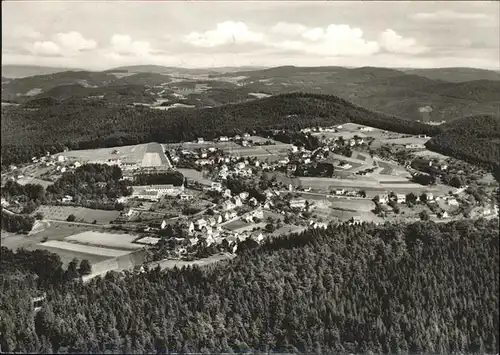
333, 40
395, 43
46, 48
68, 44
125, 45
225, 33
75, 41
448, 15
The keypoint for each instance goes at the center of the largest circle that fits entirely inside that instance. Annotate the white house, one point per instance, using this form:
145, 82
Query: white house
61, 158
216, 186
223, 139
228, 206
453, 202
430, 196
244, 195
201, 140
240, 165
383, 199
67, 198
237, 201
298, 203
227, 193
199, 224
366, 129
77, 164
253, 201
339, 191
400, 198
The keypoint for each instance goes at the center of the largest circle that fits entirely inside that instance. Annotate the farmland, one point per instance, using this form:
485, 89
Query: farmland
82, 214
130, 153
117, 241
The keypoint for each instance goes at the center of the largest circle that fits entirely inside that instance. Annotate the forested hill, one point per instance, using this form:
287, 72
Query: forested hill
419, 288
81, 124
474, 139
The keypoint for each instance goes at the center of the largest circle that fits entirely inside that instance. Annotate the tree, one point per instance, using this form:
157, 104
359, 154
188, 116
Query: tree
270, 227
411, 198
424, 215
39, 216
72, 270
457, 181
362, 193
85, 267
71, 218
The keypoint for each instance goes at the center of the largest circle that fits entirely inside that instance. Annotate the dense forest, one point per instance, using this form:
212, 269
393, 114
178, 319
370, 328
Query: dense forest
79, 124
473, 139
421, 288
90, 185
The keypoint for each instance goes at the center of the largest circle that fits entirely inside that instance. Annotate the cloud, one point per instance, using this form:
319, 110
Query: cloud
46, 48
124, 45
285, 28
448, 15
74, 41
225, 33
394, 43
67, 44
333, 40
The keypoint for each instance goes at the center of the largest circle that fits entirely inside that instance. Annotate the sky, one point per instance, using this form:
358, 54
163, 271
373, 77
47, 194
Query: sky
100, 35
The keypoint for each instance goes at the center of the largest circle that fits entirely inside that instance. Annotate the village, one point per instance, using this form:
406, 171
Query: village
238, 191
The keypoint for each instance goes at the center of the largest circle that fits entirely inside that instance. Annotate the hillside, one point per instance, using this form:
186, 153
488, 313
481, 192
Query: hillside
455, 75
146, 79
81, 124
22, 71
34, 85
474, 139
417, 288
389, 91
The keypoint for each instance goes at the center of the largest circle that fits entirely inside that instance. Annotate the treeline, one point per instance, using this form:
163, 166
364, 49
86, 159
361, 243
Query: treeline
16, 223
172, 177
418, 288
79, 124
30, 195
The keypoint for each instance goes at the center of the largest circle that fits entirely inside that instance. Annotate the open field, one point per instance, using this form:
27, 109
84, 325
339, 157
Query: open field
406, 140
130, 153
68, 255
79, 248
430, 154
81, 213
257, 151
111, 240
170, 264
33, 180
204, 145
195, 175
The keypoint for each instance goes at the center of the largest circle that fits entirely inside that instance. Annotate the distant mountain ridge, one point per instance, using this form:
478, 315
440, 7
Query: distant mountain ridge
23, 71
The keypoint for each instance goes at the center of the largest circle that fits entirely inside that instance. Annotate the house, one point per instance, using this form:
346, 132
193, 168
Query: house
201, 140
61, 158
244, 195
268, 204
268, 193
339, 191
227, 216
443, 215
63, 169
228, 206
207, 230
216, 186
67, 198
163, 224
199, 224
245, 143
383, 199
223, 139
253, 201
356, 220
77, 164
145, 195
453, 202
233, 214
237, 137
352, 142
257, 236
191, 227
185, 197
240, 165
400, 198
227, 193
246, 135
415, 146
295, 149
298, 203
366, 129
430, 196
5, 203
211, 221
218, 218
